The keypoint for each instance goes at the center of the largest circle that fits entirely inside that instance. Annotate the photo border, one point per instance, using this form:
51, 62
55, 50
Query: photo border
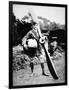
10, 43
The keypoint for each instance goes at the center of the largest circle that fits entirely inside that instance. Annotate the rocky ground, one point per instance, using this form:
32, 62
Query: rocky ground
24, 77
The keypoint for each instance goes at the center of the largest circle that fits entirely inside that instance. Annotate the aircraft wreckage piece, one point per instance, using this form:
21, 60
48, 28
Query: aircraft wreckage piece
49, 60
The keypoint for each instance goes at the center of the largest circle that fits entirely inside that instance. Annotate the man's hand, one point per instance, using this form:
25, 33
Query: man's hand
42, 39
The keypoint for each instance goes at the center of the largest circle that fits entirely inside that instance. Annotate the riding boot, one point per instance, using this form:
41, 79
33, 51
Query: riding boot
42, 66
32, 66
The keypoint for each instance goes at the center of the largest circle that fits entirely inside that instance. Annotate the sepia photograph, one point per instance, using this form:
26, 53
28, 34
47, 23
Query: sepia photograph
37, 44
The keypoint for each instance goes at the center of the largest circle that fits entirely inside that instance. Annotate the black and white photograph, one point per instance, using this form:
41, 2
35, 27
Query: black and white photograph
37, 44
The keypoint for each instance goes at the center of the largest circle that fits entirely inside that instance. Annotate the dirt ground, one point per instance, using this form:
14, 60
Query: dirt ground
23, 76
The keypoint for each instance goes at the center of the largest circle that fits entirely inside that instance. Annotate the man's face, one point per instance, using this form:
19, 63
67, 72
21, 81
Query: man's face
35, 26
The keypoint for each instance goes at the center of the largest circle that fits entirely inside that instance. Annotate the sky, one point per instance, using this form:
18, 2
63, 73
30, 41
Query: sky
54, 14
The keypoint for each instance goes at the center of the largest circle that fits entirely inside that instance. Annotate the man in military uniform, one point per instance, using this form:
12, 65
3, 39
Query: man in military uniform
31, 45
